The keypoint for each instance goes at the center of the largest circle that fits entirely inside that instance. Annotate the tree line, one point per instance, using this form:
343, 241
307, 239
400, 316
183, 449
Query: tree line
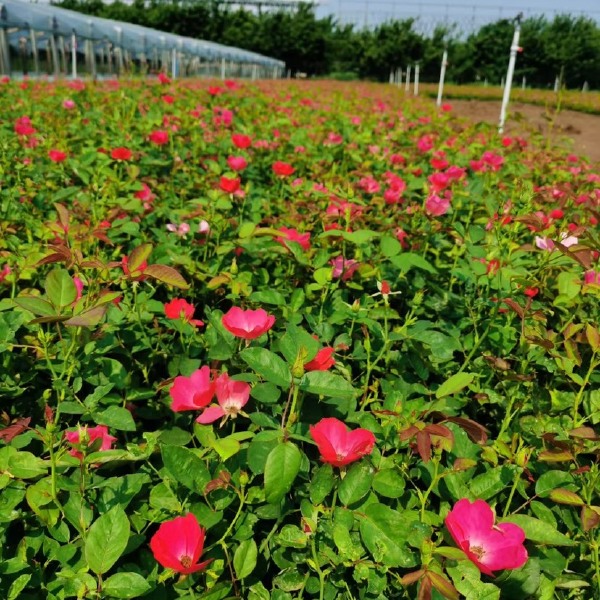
566, 46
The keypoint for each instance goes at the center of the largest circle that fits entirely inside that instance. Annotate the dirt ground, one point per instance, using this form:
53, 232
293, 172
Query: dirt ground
576, 131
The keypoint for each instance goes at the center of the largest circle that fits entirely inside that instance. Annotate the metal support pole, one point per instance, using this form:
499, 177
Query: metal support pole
63, 55
54, 54
514, 48
416, 88
442, 77
73, 55
34, 50
4, 54
4, 49
222, 68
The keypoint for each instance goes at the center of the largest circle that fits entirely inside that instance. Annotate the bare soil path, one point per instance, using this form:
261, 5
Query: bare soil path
579, 132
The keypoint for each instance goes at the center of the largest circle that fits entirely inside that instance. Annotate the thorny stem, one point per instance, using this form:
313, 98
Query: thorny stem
318, 569
577, 401
513, 489
434, 481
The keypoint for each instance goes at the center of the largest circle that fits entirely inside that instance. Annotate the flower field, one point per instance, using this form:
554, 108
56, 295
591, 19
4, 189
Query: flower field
283, 340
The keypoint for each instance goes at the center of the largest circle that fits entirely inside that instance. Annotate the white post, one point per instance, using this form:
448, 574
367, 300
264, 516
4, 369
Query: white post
173, 63
399, 77
586, 87
442, 77
524, 84
556, 84
514, 48
73, 56
222, 68
407, 85
391, 76
417, 69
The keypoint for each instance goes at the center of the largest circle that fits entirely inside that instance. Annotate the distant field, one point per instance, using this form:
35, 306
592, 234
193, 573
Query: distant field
588, 102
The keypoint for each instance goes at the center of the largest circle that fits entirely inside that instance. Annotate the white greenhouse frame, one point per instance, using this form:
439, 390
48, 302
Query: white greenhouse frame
40, 39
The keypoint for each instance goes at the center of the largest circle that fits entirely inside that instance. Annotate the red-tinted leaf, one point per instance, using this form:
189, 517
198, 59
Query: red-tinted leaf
587, 433
36, 305
439, 430
167, 275
12, 431
413, 577
590, 517
443, 586
462, 464
138, 256
424, 446
563, 496
593, 337
407, 433
516, 307
88, 318
475, 431
555, 456
51, 258
63, 215
424, 589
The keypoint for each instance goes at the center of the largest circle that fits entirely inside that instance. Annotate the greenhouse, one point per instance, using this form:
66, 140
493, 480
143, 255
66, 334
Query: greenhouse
38, 40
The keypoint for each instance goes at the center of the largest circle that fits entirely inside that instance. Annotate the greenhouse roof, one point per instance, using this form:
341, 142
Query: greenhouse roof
19, 19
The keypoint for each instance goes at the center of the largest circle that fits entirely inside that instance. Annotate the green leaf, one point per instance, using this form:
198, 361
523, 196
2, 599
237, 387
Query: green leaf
551, 480
357, 483
390, 246
116, 417
407, 260
324, 383
456, 383
244, 559
186, 467
490, 483
18, 585
266, 393
321, 483
25, 465
268, 297
539, 531
167, 275
385, 533
38, 306
283, 464
294, 339
106, 540
125, 585
268, 365
388, 483
360, 236
60, 289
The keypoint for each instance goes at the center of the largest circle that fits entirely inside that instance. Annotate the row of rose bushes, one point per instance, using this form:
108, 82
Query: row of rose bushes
292, 340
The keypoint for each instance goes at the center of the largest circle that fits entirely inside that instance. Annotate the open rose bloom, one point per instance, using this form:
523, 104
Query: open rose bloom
232, 396
178, 308
178, 545
490, 547
337, 445
247, 324
192, 393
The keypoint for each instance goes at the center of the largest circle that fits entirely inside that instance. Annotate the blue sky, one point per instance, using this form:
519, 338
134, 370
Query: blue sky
469, 14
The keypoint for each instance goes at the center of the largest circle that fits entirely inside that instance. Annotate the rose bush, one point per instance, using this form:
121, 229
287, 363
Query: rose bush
292, 340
